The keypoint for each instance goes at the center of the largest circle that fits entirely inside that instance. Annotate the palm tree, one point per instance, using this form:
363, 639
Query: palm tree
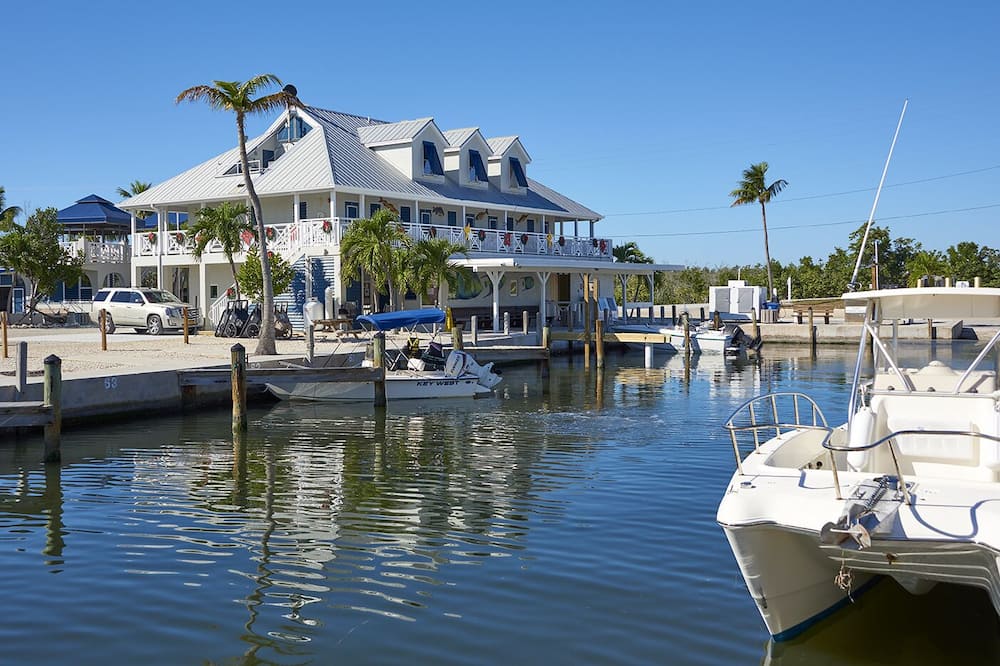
753, 190
373, 245
629, 253
430, 265
134, 188
225, 225
7, 213
238, 97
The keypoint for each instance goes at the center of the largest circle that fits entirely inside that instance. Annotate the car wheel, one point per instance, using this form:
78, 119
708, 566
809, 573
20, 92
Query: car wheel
154, 325
109, 324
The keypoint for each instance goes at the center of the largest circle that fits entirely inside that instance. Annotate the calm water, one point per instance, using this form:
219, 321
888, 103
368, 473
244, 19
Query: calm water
569, 526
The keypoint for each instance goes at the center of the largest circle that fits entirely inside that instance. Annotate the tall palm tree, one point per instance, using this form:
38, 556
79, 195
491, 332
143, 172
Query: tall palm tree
238, 97
7, 213
225, 225
629, 253
430, 265
134, 188
752, 189
373, 245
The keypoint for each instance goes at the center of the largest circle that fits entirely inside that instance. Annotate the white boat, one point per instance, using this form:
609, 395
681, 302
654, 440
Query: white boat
462, 377
729, 340
907, 488
459, 376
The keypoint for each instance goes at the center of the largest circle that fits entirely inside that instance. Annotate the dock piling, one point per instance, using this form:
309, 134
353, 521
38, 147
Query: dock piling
238, 357
648, 356
456, 339
378, 361
310, 343
474, 324
599, 342
506, 323
102, 318
524, 322
673, 315
184, 314
21, 367
3, 327
812, 332
52, 398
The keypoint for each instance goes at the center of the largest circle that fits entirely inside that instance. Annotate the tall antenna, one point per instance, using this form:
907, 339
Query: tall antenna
853, 284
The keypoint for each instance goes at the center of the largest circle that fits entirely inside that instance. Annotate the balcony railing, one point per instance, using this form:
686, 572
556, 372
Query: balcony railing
94, 252
289, 238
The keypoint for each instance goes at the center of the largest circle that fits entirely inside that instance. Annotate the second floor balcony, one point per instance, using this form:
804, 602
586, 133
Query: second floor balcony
292, 239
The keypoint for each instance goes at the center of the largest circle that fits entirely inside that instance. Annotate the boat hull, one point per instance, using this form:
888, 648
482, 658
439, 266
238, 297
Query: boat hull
398, 386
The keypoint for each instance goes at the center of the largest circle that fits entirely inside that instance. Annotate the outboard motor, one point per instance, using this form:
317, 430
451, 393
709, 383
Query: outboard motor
460, 363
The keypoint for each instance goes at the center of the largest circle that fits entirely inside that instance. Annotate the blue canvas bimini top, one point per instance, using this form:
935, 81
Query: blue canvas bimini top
386, 321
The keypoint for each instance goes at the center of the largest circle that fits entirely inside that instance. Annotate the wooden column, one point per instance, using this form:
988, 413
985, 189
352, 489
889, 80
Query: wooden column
52, 397
599, 342
238, 360
456, 338
378, 361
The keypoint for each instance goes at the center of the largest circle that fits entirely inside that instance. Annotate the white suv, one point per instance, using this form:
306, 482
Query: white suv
150, 311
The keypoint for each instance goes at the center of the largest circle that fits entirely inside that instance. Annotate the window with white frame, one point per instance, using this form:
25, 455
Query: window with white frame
351, 209
425, 216
493, 221
432, 163
404, 213
470, 220
477, 172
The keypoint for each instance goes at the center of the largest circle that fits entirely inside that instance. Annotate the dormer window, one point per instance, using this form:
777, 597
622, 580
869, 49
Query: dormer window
291, 132
477, 172
432, 163
517, 173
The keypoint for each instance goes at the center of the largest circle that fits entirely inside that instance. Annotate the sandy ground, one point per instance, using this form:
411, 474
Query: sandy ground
79, 348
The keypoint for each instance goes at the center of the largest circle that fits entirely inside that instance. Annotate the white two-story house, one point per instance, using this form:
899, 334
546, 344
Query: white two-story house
316, 171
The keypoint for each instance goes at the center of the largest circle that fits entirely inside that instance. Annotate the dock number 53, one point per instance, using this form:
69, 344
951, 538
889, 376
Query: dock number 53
110, 383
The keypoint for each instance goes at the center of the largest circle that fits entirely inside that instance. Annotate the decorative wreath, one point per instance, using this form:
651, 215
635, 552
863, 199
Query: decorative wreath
269, 232
327, 226
604, 246
230, 293
562, 241
507, 238
270, 255
593, 241
482, 234
524, 239
151, 237
179, 237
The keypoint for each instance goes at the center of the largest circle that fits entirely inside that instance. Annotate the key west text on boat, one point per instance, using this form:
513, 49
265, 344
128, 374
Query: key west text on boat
430, 376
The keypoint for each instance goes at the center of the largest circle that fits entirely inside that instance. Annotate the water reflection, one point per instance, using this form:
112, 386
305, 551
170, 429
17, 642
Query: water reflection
568, 519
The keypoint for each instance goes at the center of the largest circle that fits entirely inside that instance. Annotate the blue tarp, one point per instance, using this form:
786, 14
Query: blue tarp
390, 320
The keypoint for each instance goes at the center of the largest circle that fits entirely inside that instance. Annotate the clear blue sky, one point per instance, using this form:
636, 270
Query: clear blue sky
645, 112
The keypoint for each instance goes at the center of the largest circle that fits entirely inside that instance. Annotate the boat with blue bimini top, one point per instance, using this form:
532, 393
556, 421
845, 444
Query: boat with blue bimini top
408, 377
907, 488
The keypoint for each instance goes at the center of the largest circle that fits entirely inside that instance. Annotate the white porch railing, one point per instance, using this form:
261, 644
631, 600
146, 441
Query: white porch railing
291, 238
94, 252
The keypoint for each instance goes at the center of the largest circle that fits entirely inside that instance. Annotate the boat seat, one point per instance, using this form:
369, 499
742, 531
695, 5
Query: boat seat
937, 377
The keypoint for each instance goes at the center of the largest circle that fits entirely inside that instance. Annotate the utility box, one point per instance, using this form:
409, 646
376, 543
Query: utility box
736, 299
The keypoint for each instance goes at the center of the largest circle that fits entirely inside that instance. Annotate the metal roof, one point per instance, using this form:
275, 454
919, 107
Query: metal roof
500, 144
93, 212
457, 137
387, 133
333, 156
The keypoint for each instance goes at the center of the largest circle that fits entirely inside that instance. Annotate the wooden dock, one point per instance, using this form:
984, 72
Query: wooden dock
27, 414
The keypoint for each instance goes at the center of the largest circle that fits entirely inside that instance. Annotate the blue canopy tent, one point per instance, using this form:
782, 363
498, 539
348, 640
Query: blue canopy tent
95, 215
387, 321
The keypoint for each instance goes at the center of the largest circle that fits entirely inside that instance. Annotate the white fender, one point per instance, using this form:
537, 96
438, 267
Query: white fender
862, 429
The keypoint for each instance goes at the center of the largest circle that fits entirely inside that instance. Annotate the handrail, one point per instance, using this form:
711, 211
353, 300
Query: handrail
818, 420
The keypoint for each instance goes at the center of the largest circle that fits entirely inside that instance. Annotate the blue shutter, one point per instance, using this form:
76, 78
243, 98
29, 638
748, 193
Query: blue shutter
432, 163
517, 172
452, 218
404, 213
477, 164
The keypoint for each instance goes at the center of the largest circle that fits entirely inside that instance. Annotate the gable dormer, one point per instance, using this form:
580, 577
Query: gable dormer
415, 148
283, 135
508, 164
466, 156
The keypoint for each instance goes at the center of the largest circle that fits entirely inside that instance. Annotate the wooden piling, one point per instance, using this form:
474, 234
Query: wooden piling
474, 323
673, 315
586, 321
648, 358
52, 397
812, 332
717, 320
701, 314
547, 344
756, 326
378, 361
506, 323
599, 342
686, 323
310, 342
931, 333
524, 322
102, 319
456, 338
238, 358
184, 314
21, 367
3, 327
